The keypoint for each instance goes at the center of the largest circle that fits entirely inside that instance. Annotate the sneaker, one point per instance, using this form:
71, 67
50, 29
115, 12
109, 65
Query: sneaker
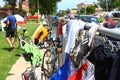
10, 49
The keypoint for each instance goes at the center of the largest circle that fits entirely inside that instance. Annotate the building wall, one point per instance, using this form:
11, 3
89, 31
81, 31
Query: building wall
25, 5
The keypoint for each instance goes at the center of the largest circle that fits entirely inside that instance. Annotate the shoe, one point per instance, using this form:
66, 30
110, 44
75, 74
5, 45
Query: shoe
11, 48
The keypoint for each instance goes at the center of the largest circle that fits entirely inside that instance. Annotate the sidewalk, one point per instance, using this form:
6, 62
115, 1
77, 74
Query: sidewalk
18, 68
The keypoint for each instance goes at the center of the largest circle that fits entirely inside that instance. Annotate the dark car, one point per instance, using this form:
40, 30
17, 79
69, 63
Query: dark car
118, 24
89, 18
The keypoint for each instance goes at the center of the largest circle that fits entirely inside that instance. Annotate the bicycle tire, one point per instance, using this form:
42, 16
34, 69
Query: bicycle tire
32, 76
49, 65
17, 42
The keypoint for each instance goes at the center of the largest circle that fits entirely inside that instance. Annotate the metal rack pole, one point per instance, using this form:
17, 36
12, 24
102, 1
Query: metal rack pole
115, 32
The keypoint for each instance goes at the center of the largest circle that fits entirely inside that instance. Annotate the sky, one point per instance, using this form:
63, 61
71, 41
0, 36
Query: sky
1, 3
65, 4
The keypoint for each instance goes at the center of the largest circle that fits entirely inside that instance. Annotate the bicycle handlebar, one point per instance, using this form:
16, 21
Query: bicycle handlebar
25, 54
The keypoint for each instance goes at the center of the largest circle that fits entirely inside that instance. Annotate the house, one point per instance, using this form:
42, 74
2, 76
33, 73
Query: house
25, 9
83, 5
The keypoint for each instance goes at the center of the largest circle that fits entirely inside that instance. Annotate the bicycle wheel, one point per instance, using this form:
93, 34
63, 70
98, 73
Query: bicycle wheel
27, 39
50, 63
31, 76
17, 42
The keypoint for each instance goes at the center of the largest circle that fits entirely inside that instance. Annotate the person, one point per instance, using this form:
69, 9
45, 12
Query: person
11, 29
110, 21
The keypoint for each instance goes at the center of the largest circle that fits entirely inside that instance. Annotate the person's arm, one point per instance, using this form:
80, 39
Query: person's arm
7, 21
16, 25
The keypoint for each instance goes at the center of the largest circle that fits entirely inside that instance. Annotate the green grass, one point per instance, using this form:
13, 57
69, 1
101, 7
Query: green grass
102, 19
7, 59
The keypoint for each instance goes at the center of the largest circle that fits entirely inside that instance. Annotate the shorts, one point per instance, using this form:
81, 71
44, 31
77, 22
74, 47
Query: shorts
10, 32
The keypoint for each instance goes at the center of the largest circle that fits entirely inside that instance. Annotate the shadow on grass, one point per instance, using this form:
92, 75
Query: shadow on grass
5, 49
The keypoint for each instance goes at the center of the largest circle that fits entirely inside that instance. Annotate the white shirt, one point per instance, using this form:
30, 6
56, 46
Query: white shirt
73, 27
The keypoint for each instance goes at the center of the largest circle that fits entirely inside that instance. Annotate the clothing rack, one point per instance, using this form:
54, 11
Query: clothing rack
115, 32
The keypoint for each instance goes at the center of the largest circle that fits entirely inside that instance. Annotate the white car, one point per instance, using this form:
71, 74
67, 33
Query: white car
2, 24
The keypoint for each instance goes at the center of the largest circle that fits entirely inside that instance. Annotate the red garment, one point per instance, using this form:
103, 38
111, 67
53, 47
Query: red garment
60, 28
113, 22
78, 74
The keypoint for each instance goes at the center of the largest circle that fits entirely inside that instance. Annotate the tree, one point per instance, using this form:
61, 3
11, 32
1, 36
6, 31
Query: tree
11, 2
90, 9
82, 10
111, 4
49, 6
87, 10
33, 6
62, 12
45, 6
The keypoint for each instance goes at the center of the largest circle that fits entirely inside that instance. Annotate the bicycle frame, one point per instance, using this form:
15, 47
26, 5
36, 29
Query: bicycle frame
22, 39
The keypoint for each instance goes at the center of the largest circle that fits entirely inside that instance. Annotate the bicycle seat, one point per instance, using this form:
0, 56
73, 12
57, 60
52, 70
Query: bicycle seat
45, 24
59, 46
24, 29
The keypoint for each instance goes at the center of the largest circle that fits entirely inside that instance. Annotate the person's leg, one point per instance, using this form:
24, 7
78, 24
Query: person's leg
13, 36
8, 34
12, 41
8, 41
7, 37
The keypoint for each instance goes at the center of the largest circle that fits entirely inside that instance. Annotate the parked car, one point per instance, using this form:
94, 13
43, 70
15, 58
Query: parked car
75, 15
89, 18
96, 15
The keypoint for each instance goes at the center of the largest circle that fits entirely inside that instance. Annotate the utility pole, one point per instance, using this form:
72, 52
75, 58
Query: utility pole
20, 6
85, 6
38, 10
107, 5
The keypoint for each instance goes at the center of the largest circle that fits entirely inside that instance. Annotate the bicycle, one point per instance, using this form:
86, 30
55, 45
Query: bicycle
31, 54
19, 36
51, 61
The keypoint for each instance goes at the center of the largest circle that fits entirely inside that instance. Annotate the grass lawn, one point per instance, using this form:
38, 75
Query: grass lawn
7, 59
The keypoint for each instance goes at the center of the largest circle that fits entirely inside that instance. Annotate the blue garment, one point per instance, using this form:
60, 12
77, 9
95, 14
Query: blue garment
11, 18
63, 72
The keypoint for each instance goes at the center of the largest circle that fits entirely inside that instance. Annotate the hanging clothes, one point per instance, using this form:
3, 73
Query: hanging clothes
60, 27
73, 27
78, 74
101, 56
63, 72
115, 71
